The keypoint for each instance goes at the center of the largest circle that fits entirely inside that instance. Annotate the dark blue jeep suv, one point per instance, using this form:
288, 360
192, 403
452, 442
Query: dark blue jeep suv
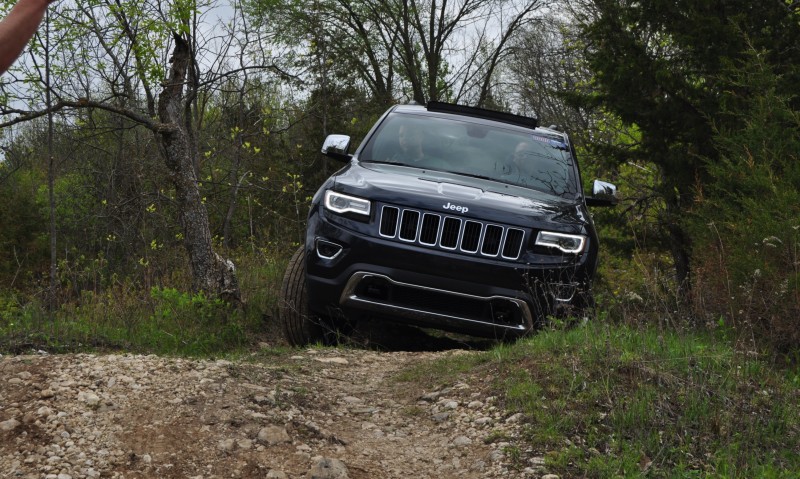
450, 217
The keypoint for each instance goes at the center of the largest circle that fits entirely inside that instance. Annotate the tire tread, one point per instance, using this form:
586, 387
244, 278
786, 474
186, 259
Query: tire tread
299, 327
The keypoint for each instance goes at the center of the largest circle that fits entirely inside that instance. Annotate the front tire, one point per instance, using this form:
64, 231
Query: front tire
299, 326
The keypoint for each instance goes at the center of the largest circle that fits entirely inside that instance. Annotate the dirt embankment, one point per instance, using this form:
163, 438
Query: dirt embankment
317, 413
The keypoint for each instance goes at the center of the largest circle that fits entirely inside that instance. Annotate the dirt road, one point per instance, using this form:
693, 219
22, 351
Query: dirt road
309, 413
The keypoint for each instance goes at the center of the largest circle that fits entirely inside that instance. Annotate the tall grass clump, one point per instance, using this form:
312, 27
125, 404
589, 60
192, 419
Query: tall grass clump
260, 272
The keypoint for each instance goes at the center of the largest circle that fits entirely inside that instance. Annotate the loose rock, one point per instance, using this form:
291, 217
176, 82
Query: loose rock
328, 469
273, 435
9, 425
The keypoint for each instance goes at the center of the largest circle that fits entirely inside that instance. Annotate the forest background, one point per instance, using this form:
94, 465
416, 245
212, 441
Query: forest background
149, 145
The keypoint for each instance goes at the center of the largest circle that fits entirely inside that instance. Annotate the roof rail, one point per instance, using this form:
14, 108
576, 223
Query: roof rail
483, 113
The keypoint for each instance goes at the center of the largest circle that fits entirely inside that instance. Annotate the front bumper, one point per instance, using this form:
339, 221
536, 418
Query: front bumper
359, 274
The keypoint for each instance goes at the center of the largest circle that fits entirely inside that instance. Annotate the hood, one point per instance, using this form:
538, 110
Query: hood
459, 195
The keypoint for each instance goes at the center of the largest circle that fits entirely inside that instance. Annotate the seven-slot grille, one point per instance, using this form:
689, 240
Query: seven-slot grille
451, 233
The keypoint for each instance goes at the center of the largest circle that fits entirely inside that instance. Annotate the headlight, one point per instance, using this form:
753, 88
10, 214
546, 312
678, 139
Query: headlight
561, 241
341, 204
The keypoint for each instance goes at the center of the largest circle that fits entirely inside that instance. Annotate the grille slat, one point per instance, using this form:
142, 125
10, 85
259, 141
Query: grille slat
492, 240
389, 216
513, 244
430, 229
409, 225
472, 237
451, 233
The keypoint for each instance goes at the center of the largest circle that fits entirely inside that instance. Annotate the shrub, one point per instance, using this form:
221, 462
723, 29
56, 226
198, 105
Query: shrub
747, 223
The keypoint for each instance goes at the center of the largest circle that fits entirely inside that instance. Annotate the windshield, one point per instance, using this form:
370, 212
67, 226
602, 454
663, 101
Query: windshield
532, 160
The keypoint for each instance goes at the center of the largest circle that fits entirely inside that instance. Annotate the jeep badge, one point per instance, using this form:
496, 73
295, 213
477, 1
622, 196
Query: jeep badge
460, 209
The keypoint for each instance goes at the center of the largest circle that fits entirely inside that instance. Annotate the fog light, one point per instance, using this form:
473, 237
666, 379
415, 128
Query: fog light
375, 288
504, 312
563, 292
327, 250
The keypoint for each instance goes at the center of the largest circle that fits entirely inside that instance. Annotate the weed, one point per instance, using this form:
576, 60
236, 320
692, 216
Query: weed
496, 436
442, 373
413, 411
514, 454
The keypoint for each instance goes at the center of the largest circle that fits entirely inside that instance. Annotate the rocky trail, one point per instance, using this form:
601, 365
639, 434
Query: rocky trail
316, 413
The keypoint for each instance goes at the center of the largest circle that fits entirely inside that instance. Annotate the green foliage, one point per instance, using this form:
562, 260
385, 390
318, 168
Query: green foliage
165, 320
21, 234
649, 70
177, 324
748, 224
344, 46
11, 311
190, 323
172, 305
75, 207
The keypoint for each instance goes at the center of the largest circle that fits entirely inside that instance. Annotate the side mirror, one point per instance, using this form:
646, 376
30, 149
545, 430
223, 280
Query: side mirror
336, 146
603, 194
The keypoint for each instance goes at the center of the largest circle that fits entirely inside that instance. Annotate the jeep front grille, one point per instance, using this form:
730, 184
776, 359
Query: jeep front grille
451, 233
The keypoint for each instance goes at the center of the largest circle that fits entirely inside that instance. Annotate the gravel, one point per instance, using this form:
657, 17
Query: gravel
316, 414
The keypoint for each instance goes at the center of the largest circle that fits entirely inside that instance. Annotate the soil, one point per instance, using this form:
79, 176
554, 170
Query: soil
308, 413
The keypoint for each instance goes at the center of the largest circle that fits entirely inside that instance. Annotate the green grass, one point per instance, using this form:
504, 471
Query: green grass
637, 402
163, 321
440, 373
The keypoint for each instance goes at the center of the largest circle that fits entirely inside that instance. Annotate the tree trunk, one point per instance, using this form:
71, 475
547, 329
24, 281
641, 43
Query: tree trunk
681, 247
52, 294
211, 273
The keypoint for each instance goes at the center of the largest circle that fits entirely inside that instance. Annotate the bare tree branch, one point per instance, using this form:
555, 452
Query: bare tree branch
148, 123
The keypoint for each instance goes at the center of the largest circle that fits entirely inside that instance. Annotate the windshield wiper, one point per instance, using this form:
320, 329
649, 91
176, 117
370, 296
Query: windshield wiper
385, 162
472, 175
